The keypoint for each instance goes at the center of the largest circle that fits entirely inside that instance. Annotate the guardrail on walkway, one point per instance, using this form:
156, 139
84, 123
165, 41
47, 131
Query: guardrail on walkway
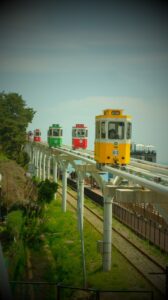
51, 290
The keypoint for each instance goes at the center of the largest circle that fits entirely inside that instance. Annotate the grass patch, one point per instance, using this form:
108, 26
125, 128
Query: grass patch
96, 207
62, 236
58, 256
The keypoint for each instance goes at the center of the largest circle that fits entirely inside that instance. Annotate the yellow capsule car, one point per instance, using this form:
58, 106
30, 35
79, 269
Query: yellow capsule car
112, 138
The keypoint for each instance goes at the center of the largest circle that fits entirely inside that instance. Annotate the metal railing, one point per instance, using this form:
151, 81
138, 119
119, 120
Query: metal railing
143, 227
56, 291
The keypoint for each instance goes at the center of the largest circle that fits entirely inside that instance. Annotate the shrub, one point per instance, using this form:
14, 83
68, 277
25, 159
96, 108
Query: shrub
15, 223
46, 191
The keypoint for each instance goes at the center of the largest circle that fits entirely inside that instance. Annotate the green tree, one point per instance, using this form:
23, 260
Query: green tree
14, 119
46, 191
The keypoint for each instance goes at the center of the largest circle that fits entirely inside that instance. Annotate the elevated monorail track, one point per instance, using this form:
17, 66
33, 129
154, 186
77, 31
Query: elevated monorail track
143, 173
149, 181
151, 178
152, 172
157, 173
140, 167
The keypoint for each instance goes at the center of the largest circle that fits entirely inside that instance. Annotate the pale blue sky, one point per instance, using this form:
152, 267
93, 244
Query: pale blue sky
70, 60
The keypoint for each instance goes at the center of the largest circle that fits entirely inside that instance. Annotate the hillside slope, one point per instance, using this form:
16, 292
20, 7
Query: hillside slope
16, 187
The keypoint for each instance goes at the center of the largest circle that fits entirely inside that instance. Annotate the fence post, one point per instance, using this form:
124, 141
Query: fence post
165, 239
58, 292
152, 295
145, 227
97, 295
154, 228
5, 291
150, 231
166, 294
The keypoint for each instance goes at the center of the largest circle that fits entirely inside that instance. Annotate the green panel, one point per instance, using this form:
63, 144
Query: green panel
55, 141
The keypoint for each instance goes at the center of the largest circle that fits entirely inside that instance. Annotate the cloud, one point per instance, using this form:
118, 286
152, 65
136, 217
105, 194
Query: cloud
40, 62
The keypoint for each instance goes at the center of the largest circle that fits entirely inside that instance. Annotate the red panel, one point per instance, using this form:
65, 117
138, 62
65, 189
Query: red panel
80, 125
37, 138
79, 143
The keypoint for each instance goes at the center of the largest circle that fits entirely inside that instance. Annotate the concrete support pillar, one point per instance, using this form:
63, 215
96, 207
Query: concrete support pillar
64, 188
40, 165
48, 167
107, 233
55, 166
31, 154
117, 180
37, 163
44, 166
80, 202
33, 157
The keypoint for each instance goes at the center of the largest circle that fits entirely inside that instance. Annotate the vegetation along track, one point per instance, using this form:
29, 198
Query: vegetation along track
138, 258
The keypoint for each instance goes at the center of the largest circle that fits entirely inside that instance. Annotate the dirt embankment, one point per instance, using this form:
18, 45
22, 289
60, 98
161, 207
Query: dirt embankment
16, 186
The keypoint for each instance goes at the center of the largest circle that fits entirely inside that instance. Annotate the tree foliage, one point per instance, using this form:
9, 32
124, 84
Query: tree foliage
46, 191
14, 119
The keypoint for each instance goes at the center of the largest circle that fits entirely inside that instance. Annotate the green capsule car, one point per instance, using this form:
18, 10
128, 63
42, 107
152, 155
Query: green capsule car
54, 136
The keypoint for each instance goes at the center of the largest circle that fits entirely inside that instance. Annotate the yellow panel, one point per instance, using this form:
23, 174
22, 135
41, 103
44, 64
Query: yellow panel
107, 153
113, 114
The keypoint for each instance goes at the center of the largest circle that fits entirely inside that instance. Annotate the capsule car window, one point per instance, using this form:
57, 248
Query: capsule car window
116, 130
129, 129
103, 132
97, 130
55, 132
